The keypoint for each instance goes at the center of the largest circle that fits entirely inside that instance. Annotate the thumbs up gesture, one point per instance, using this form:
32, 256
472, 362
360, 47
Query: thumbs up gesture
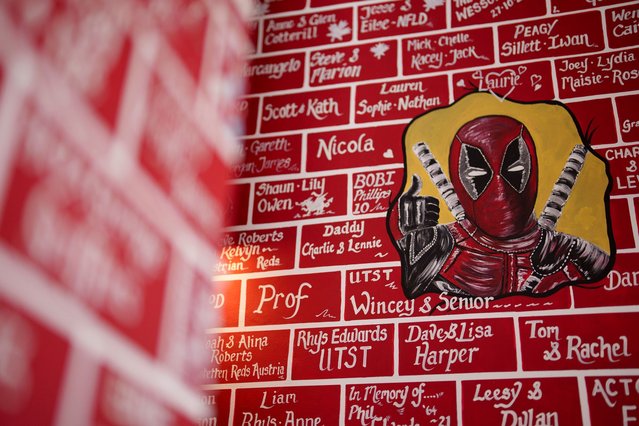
416, 211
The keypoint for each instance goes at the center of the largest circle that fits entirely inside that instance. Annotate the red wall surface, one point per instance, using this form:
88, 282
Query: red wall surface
314, 326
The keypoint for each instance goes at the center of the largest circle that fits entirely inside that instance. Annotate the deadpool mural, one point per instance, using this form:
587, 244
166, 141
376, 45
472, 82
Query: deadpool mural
499, 198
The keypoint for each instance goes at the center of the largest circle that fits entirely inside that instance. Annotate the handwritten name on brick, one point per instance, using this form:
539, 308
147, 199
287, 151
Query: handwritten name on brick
624, 168
441, 347
354, 63
454, 50
628, 117
613, 399
299, 199
467, 12
598, 74
344, 243
268, 74
304, 110
566, 35
292, 405
270, 156
311, 29
293, 299
620, 287
352, 351
401, 403
354, 147
399, 99
257, 251
526, 82
394, 18
522, 401
561, 342
246, 357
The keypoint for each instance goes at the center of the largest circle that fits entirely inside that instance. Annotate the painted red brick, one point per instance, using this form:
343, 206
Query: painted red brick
401, 403
485, 12
624, 168
264, 7
448, 51
619, 288
248, 108
596, 120
257, 251
598, 74
622, 27
269, 156
34, 360
242, 357
346, 243
236, 205
549, 37
376, 293
308, 198
525, 82
464, 346
271, 73
293, 299
307, 30
560, 6
373, 191
379, 145
320, 3
563, 343
613, 399
224, 302
621, 225
399, 99
305, 110
253, 27
294, 405
218, 401
515, 401
351, 351
392, 18
628, 117
358, 62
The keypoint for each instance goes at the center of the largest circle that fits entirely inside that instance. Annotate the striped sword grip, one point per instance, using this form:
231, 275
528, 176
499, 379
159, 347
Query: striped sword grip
440, 180
562, 189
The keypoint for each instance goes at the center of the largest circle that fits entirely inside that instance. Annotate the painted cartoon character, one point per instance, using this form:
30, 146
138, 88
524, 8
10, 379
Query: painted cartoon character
496, 246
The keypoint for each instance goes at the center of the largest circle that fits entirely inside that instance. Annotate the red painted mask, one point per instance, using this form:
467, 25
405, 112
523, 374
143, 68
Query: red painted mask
493, 167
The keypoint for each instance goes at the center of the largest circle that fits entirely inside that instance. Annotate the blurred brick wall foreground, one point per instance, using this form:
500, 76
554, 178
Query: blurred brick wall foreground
117, 124
315, 327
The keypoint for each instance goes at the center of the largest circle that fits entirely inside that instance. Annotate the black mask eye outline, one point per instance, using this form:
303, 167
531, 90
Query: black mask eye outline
516, 164
475, 172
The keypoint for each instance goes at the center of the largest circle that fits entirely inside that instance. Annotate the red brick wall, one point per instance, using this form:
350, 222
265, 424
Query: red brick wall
315, 325
116, 135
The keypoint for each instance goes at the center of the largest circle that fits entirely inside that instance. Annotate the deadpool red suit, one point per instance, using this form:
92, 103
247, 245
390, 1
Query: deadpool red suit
497, 246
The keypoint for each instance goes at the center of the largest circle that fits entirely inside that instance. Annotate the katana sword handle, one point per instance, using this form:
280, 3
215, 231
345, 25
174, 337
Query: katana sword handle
562, 189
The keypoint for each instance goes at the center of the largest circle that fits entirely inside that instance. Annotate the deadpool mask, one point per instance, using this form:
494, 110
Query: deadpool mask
493, 167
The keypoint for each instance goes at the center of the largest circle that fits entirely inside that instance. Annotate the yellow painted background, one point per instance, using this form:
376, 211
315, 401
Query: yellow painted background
555, 134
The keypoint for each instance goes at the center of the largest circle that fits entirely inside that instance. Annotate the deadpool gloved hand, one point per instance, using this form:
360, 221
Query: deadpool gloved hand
425, 245
417, 212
